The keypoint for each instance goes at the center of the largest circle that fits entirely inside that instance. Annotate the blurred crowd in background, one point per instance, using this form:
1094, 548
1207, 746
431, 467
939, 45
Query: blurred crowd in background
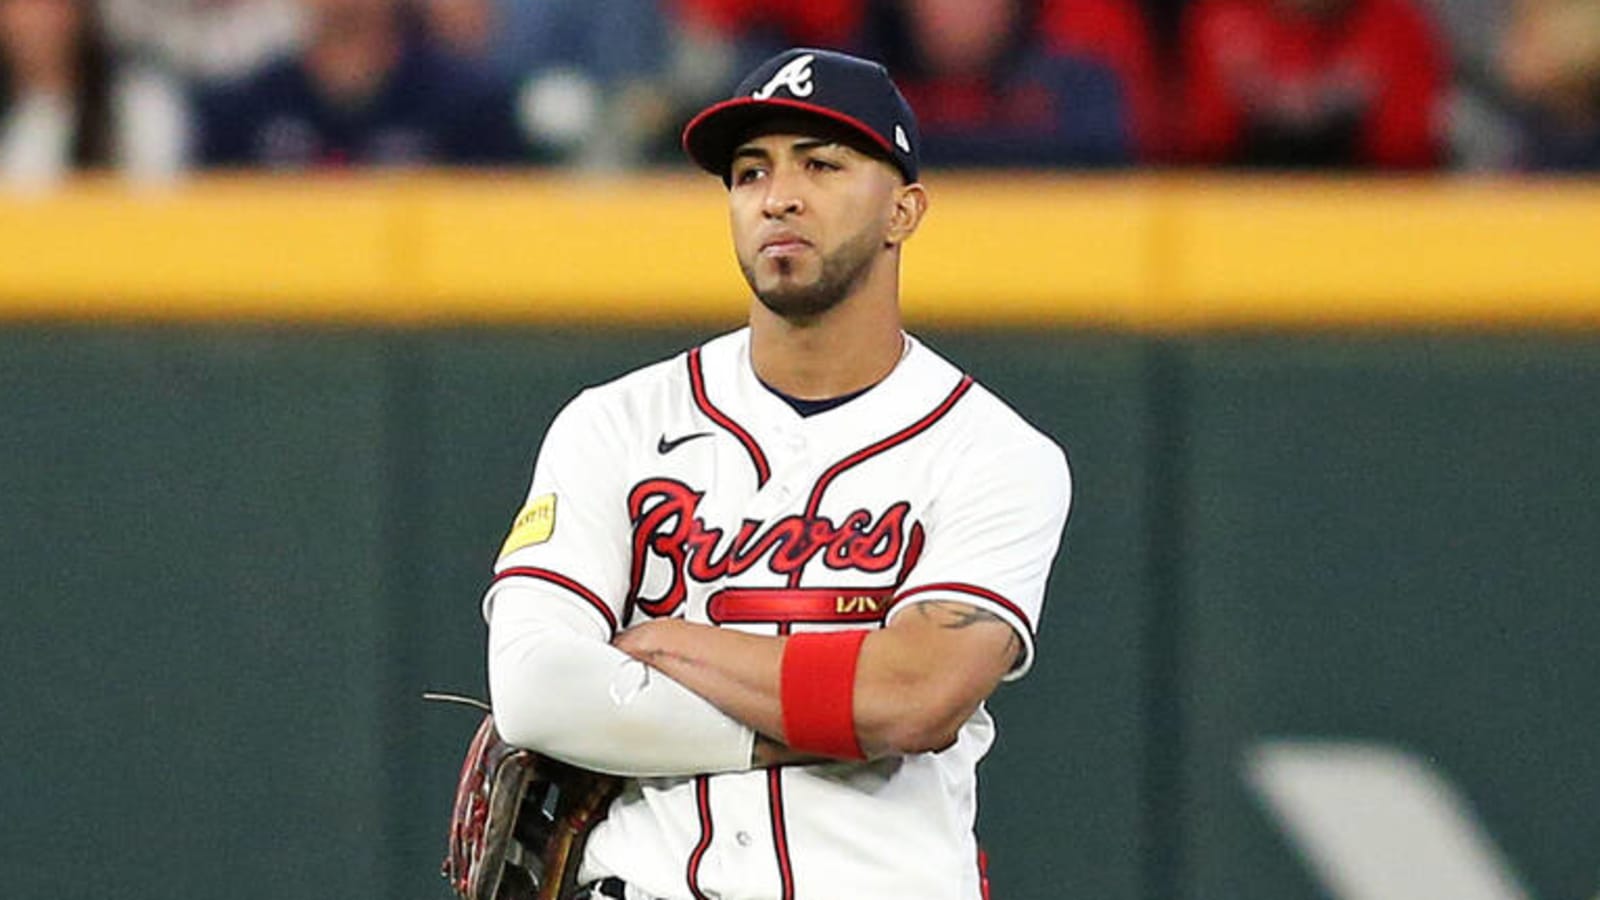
154, 89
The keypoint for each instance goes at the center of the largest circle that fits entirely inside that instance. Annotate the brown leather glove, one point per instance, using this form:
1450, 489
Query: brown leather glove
519, 821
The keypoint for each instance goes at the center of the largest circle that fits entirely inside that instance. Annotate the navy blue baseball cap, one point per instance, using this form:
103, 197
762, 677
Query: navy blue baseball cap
853, 92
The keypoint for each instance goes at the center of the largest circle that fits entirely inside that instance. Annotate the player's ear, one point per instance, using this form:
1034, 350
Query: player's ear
910, 205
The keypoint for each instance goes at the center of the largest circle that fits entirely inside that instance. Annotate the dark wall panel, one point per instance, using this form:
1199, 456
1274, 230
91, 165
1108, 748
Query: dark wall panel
190, 542
1060, 810
1394, 543
232, 559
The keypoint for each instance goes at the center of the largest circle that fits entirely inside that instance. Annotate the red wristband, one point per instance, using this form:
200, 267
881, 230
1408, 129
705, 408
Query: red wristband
817, 689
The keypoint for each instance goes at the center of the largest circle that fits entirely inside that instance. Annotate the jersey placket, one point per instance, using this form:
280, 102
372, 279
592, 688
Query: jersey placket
743, 814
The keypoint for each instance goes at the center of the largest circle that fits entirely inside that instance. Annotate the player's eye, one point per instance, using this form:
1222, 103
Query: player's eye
747, 174
817, 164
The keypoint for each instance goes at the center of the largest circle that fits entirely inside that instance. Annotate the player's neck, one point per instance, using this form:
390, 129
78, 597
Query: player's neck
853, 346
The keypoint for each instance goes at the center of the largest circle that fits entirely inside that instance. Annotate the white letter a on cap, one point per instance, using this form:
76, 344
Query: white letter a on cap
795, 75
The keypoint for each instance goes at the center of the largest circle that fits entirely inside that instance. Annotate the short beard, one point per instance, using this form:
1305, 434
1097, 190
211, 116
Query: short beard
842, 273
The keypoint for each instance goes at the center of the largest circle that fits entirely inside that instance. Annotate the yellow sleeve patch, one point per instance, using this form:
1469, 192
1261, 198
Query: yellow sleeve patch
533, 525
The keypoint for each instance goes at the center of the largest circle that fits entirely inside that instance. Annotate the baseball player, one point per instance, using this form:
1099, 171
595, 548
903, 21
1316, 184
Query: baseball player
773, 580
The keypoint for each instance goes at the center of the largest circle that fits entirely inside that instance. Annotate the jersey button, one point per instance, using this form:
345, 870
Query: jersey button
743, 838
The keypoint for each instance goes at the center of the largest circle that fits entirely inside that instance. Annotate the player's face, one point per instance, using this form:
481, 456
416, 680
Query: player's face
810, 214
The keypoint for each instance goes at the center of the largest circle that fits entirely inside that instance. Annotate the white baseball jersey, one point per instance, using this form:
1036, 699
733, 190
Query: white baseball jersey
690, 489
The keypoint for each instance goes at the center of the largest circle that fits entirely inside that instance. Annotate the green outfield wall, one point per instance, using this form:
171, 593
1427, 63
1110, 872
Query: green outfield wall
1317, 592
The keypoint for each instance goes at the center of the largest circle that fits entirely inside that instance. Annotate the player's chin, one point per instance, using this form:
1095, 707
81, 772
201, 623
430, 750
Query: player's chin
786, 281
796, 302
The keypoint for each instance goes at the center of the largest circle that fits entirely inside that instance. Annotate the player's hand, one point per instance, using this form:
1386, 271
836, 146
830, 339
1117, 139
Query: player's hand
652, 641
768, 752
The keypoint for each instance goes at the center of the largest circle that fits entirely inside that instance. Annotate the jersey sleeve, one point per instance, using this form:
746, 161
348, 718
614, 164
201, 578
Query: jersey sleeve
571, 534
991, 538
559, 690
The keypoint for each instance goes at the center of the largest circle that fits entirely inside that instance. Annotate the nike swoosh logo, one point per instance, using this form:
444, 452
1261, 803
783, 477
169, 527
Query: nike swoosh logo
664, 446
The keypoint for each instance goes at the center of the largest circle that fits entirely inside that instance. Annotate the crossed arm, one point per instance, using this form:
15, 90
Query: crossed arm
917, 680
670, 697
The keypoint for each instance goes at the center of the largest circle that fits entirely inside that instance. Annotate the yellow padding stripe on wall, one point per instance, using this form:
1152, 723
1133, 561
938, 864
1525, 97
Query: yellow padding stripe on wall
1160, 253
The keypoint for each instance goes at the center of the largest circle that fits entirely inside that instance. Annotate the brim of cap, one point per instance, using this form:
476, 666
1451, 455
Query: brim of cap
711, 137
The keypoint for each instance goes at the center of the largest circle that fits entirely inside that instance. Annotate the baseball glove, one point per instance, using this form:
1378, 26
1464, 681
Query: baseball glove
519, 821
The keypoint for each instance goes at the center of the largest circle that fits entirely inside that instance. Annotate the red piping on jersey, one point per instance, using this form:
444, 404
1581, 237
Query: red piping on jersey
697, 384
866, 453
560, 580
780, 830
780, 833
952, 587
702, 799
